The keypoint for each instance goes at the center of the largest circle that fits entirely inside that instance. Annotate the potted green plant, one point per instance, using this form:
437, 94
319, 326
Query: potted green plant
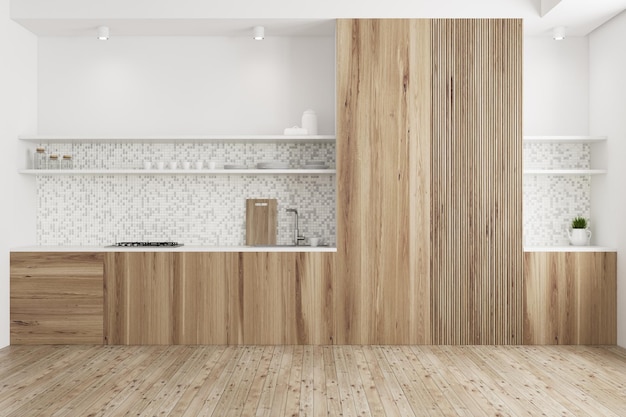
579, 234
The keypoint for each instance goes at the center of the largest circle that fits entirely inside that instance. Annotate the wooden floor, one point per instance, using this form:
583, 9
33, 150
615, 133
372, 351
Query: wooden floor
312, 381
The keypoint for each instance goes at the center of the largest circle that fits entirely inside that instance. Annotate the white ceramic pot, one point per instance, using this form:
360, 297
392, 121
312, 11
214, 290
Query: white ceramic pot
309, 122
579, 237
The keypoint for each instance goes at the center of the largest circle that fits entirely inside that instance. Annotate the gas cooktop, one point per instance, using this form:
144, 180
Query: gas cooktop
147, 244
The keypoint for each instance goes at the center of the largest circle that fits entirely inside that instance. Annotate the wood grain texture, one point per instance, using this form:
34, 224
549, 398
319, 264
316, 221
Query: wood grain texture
476, 283
383, 182
219, 298
56, 298
261, 221
207, 298
281, 381
139, 297
570, 298
287, 297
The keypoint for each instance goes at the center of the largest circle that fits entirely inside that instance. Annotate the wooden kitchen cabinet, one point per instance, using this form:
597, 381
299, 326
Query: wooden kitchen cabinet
218, 298
570, 298
207, 291
139, 298
56, 298
287, 297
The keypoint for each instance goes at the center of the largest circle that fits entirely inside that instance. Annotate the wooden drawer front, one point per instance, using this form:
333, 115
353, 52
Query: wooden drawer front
56, 298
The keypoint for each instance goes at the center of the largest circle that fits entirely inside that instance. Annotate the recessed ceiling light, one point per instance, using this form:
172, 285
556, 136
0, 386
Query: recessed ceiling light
103, 33
558, 33
258, 32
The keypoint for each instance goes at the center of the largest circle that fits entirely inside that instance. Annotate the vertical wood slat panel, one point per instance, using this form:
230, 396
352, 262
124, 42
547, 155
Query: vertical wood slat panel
383, 170
476, 182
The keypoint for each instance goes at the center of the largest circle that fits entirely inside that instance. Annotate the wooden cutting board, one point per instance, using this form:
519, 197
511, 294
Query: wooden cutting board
261, 221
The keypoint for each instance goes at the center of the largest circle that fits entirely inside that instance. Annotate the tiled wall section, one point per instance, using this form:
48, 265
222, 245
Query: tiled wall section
193, 209
552, 201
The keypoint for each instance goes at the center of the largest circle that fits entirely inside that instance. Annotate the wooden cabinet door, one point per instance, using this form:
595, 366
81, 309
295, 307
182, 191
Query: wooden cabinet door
139, 298
56, 298
570, 298
287, 297
207, 302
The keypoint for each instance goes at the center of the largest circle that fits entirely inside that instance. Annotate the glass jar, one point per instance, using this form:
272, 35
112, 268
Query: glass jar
40, 159
67, 162
53, 162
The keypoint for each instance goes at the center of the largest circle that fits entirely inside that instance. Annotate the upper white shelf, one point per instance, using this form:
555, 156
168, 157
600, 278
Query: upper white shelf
180, 139
564, 139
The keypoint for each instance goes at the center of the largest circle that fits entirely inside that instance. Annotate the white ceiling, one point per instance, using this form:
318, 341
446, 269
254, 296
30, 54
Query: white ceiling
195, 18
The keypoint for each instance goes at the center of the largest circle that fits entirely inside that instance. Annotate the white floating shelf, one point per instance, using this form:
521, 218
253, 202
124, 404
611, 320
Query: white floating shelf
564, 139
178, 172
181, 139
564, 171
568, 249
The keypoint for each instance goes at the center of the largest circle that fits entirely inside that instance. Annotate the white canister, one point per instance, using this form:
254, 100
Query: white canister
309, 122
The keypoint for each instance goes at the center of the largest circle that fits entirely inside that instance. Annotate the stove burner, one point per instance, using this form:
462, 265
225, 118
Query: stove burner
148, 244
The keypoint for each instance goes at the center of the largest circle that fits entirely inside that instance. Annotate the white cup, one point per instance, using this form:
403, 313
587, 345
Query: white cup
160, 165
186, 164
211, 164
173, 164
199, 164
314, 241
147, 164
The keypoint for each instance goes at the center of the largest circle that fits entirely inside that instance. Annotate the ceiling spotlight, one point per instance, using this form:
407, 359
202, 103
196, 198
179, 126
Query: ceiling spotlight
558, 33
103, 33
258, 32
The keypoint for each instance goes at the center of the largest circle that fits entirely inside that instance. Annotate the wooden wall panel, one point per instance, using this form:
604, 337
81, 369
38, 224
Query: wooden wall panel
476, 181
56, 298
570, 298
383, 182
139, 298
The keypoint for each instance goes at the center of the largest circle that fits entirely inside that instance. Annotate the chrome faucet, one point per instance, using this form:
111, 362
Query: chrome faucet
296, 233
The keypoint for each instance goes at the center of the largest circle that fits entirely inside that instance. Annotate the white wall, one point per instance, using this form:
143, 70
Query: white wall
18, 98
184, 85
608, 117
556, 86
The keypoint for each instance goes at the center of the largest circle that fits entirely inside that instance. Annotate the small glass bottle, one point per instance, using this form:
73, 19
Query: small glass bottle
66, 162
40, 161
53, 162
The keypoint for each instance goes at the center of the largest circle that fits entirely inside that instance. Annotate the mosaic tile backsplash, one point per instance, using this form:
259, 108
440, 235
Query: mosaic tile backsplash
192, 209
552, 201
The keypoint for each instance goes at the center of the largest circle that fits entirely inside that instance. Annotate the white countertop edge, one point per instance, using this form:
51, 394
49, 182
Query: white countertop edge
568, 249
183, 248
